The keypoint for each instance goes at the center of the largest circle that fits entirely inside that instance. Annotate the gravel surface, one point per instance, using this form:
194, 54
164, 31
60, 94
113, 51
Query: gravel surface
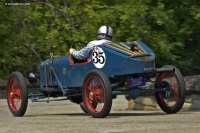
64, 116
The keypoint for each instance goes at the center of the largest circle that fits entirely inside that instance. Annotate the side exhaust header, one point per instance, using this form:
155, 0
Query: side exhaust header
160, 70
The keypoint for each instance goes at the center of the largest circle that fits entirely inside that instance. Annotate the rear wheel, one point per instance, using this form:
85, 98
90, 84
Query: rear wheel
97, 94
17, 94
172, 100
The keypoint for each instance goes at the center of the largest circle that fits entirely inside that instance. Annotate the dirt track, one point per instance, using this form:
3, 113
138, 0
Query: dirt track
64, 116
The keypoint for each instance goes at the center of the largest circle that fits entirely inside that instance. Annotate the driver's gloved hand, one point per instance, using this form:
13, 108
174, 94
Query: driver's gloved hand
71, 51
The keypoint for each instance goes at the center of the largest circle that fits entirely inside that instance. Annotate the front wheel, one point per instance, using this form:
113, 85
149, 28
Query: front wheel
97, 94
171, 100
17, 94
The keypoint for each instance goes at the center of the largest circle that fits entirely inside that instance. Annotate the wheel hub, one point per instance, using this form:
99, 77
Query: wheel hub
11, 94
91, 95
168, 89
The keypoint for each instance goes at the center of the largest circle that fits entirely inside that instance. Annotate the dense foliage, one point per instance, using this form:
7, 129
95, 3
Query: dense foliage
30, 32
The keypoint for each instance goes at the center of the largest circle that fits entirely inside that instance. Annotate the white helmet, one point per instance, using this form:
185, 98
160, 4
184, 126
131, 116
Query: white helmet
105, 32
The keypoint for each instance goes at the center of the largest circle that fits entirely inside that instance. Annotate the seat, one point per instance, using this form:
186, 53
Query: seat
73, 61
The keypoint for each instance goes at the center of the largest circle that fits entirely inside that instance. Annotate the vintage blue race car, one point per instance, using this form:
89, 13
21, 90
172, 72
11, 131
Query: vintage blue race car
113, 69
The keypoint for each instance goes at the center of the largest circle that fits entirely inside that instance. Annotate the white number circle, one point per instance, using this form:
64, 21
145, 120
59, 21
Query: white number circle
98, 57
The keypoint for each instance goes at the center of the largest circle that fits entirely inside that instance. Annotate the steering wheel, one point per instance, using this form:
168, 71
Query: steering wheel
81, 44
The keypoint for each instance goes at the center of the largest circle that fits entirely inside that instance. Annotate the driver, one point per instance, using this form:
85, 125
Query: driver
105, 34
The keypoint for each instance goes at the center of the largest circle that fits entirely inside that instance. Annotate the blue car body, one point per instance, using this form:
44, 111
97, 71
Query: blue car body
120, 60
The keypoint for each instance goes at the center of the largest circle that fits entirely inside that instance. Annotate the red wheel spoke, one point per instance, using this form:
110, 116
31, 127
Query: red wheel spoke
94, 103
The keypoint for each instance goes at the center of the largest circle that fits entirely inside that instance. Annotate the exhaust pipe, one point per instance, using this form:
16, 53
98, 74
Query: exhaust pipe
161, 70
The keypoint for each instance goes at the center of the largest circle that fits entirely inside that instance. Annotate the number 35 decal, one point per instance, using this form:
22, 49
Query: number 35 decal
98, 57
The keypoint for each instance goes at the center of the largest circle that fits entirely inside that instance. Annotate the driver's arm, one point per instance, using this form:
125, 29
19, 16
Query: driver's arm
81, 54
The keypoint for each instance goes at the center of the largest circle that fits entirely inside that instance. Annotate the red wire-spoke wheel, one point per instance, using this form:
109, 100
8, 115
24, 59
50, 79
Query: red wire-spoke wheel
17, 94
97, 94
171, 100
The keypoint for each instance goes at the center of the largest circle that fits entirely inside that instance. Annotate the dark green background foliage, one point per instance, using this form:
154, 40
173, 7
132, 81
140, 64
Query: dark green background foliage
29, 33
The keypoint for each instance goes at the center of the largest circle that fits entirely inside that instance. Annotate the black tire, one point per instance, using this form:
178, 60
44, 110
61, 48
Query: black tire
173, 103
128, 97
17, 94
82, 105
97, 94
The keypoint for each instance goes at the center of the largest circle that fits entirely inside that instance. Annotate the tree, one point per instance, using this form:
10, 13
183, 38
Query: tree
29, 33
174, 33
